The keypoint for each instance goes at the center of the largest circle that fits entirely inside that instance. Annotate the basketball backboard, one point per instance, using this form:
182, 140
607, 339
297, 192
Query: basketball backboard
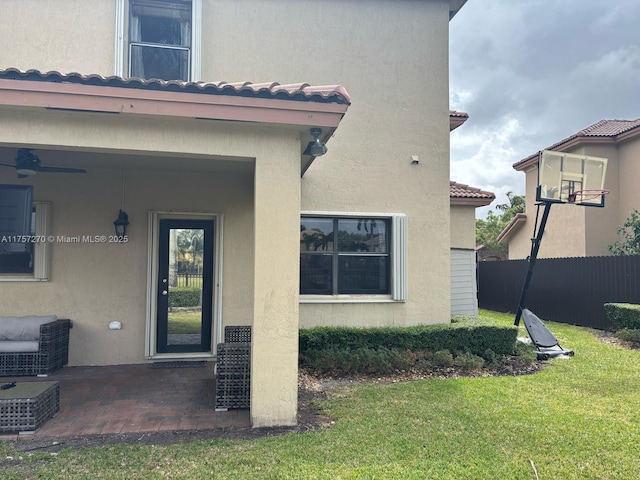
571, 178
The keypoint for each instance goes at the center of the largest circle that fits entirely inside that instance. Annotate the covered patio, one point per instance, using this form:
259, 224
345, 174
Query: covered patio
224, 160
124, 399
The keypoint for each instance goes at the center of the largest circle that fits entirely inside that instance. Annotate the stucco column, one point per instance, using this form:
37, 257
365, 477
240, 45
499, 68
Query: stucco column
274, 354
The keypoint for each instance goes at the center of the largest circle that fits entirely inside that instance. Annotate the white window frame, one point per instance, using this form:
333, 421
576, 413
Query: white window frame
121, 66
42, 249
398, 254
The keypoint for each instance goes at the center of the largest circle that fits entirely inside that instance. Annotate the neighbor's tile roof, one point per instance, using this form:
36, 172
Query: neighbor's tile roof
273, 90
604, 129
456, 119
460, 194
455, 113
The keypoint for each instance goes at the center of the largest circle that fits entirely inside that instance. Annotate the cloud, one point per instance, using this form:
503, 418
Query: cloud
532, 72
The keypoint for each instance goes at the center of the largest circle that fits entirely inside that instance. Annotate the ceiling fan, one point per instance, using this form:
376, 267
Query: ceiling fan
28, 163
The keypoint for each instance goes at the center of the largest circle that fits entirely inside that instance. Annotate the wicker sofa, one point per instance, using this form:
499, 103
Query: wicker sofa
33, 345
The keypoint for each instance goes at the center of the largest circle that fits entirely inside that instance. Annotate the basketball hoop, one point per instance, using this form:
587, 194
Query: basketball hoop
585, 195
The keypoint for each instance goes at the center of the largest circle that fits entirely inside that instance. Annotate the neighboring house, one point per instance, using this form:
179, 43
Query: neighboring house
463, 203
230, 164
578, 231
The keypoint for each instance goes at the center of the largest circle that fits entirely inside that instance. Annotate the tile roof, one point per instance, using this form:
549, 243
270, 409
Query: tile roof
605, 130
512, 227
273, 90
455, 113
456, 119
460, 194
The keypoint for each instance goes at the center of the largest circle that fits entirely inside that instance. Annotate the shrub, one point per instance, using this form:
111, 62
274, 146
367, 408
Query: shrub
184, 297
468, 361
525, 352
623, 315
629, 335
340, 361
443, 358
491, 357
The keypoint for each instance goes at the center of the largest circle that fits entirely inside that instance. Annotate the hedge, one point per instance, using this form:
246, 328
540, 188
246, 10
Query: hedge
184, 297
472, 337
623, 315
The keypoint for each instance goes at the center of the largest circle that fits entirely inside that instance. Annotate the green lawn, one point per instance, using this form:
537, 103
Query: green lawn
185, 322
577, 419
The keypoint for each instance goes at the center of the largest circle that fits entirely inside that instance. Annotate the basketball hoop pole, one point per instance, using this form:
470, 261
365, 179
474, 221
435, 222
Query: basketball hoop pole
535, 246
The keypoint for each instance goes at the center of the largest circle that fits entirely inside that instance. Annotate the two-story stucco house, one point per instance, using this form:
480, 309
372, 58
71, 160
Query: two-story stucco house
113, 106
573, 230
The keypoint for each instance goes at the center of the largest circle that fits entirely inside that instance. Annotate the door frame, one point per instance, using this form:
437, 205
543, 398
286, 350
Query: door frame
152, 283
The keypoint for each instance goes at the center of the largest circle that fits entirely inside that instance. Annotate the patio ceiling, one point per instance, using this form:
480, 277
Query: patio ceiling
103, 160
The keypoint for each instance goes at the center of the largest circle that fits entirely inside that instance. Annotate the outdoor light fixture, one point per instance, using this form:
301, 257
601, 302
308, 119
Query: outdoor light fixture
121, 224
316, 147
25, 170
123, 219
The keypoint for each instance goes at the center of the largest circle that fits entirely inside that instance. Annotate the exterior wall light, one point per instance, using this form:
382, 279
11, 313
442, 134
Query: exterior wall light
121, 224
316, 148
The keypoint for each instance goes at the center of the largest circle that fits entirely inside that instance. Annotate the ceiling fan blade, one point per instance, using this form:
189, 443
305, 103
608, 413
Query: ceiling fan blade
7, 165
60, 170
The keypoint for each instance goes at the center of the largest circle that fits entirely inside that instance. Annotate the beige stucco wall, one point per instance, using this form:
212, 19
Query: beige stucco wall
63, 35
629, 178
392, 57
463, 226
520, 240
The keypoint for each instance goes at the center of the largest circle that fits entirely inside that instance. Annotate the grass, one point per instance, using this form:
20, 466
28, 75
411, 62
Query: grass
184, 322
577, 419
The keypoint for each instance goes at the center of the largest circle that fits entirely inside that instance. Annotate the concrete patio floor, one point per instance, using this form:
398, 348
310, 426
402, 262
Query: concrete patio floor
132, 398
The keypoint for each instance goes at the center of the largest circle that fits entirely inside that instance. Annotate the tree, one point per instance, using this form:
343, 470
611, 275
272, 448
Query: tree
190, 245
487, 230
630, 233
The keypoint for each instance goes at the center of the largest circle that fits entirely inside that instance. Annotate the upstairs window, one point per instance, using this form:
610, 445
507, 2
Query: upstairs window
161, 39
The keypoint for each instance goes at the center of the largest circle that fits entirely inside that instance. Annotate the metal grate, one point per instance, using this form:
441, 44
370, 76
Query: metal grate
234, 334
233, 383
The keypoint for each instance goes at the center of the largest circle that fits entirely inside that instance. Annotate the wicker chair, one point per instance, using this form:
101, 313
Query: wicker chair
233, 382
52, 355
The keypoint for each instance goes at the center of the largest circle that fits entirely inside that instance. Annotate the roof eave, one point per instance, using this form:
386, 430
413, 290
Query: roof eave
455, 6
473, 202
101, 99
576, 141
514, 225
456, 119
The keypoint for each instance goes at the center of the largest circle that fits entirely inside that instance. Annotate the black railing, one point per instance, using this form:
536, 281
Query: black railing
189, 280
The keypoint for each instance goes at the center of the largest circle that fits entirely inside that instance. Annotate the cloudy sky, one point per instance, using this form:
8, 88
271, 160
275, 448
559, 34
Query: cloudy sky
532, 72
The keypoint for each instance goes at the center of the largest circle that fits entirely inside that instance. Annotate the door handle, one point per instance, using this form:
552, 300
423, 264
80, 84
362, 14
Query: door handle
164, 292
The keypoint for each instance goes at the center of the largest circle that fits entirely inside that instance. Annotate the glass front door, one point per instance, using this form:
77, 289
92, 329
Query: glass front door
185, 286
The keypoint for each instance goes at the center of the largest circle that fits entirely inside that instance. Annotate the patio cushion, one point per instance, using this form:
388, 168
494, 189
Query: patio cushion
17, 346
25, 329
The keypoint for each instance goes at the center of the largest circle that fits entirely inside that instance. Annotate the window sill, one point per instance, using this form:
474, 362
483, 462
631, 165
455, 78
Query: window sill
20, 278
347, 299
